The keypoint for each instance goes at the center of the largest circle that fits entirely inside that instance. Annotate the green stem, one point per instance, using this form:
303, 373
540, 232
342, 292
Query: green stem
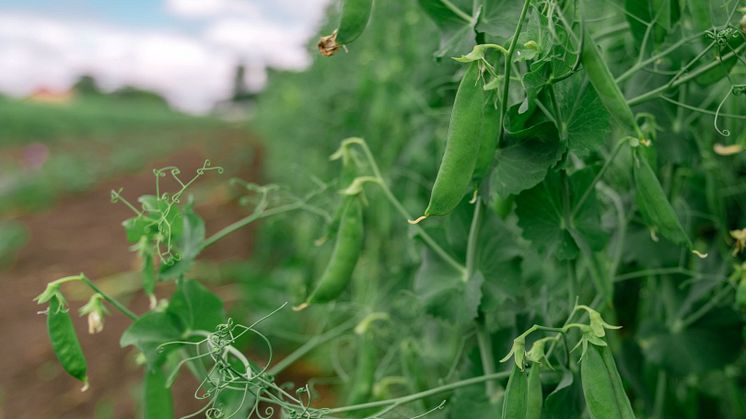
508, 59
598, 177
471, 244
709, 305
119, 306
653, 94
248, 220
458, 12
488, 362
399, 207
310, 345
638, 66
660, 395
420, 395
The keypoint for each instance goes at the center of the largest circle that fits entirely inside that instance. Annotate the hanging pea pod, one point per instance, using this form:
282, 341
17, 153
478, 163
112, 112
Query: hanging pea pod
158, 399
344, 257
488, 138
523, 396
366, 363
534, 396
462, 145
602, 385
603, 81
65, 341
355, 17
653, 203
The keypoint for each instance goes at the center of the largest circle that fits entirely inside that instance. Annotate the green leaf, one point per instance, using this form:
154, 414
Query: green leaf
522, 164
662, 13
546, 219
566, 400
158, 399
444, 293
195, 307
498, 19
471, 402
136, 227
149, 331
585, 121
683, 351
188, 244
457, 35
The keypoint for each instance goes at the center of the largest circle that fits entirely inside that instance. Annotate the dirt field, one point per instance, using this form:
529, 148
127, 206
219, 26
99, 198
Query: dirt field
83, 233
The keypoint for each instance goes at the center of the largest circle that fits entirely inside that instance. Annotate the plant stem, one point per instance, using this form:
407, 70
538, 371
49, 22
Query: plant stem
458, 12
248, 220
471, 244
310, 345
507, 68
119, 306
598, 177
403, 211
632, 70
653, 94
488, 361
420, 395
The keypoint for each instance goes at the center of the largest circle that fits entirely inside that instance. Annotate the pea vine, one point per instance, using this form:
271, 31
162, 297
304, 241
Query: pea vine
564, 193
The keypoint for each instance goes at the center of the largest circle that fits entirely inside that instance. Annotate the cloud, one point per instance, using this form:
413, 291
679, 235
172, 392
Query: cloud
42, 52
192, 69
208, 8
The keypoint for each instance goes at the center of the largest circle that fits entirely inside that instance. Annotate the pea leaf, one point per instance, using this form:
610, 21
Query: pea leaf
524, 163
195, 307
498, 19
471, 402
149, 331
565, 401
546, 219
444, 293
457, 35
683, 352
663, 14
585, 121
188, 244
158, 399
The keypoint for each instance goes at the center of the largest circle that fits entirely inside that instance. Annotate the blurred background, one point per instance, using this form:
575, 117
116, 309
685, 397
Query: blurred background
93, 96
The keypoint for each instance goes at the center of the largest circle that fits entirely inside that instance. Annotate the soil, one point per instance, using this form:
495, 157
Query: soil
83, 233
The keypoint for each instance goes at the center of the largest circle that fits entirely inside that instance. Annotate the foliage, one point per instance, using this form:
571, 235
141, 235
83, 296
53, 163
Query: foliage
616, 170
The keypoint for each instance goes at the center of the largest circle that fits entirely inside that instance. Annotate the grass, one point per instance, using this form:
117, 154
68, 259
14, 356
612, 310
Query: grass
82, 142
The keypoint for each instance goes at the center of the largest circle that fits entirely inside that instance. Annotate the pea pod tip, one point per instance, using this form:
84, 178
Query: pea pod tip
700, 254
418, 219
301, 307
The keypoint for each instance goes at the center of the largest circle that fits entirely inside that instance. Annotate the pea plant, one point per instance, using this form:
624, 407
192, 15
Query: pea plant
536, 213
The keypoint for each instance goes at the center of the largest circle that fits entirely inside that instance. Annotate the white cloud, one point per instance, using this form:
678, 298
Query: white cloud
207, 8
40, 52
192, 70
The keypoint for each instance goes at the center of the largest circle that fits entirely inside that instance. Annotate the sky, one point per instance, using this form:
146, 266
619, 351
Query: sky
186, 50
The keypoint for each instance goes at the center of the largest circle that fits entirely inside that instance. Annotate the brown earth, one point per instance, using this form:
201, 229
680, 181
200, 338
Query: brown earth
83, 233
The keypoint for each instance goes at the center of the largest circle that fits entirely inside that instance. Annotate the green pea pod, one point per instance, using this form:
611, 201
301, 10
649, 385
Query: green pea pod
653, 203
65, 341
365, 371
603, 81
488, 133
344, 257
602, 385
355, 17
534, 396
462, 146
158, 399
523, 396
